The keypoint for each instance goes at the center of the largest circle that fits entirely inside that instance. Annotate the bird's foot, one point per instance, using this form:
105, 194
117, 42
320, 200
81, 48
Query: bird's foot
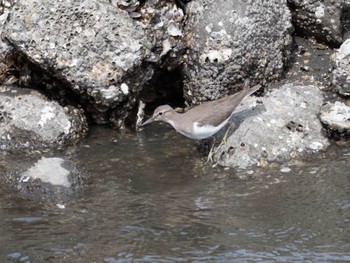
224, 139
210, 157
211, 152
222, 143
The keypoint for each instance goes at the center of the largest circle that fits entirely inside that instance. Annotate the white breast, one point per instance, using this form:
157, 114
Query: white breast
199, 132
205, 131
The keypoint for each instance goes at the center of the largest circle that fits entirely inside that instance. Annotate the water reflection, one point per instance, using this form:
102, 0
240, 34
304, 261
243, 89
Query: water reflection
151, 199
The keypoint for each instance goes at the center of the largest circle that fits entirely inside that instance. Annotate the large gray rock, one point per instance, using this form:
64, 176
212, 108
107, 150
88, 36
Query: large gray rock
283, 127
230, 41
96, 48
28, 120
319, 18
341, 72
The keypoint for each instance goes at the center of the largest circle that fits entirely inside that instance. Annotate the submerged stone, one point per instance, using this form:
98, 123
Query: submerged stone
48, 170
49, 177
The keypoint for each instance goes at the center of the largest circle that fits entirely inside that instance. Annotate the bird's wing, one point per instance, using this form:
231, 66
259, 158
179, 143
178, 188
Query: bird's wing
220, 109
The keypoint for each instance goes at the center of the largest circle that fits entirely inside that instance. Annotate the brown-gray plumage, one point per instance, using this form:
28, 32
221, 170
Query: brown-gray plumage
204, 120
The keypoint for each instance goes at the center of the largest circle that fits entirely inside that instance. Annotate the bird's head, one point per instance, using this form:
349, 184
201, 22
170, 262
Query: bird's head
161, 113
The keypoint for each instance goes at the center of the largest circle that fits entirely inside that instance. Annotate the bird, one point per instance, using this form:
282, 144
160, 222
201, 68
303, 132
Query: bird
204, 120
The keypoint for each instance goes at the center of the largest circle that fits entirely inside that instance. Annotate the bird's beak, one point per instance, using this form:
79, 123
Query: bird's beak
147, 122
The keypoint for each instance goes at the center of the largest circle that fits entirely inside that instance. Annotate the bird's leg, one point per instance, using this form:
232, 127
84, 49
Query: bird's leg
224, 139
211, 152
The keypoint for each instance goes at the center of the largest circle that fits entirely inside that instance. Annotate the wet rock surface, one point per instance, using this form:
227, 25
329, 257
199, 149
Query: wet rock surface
336, 117
321, 19
311, 65
29, 120
283, 125
232, 40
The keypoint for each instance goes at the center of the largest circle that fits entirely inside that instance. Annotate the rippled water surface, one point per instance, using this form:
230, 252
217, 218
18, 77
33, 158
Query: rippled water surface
152, 199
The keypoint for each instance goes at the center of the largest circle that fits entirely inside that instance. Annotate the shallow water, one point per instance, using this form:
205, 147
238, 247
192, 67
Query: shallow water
151, 199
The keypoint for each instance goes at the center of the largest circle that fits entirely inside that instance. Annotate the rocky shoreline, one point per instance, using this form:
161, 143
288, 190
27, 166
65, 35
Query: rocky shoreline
65, 66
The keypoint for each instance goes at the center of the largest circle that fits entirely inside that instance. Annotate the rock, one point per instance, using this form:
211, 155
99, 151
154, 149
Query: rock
29, 120
5, 48
95, 47
52, 177
5, 5
341, 72
285, 126
342, 52
336, 117
164, 22
321, 19
346, 19
230, 41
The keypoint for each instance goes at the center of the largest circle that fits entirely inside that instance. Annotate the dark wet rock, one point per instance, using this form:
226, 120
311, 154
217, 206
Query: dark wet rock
96, 48
230, 41
282, 126
52, 178
341, 73
320, 19
336, 118
29, 120
164, 23
346, 19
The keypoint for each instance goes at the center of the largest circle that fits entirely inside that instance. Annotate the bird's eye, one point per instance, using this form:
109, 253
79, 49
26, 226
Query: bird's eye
160, 113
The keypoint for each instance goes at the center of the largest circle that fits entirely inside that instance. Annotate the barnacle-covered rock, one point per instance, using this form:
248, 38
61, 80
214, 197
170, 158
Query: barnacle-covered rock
29, 120
128, 5
96, 48
321, 19
229, 41
164, 23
